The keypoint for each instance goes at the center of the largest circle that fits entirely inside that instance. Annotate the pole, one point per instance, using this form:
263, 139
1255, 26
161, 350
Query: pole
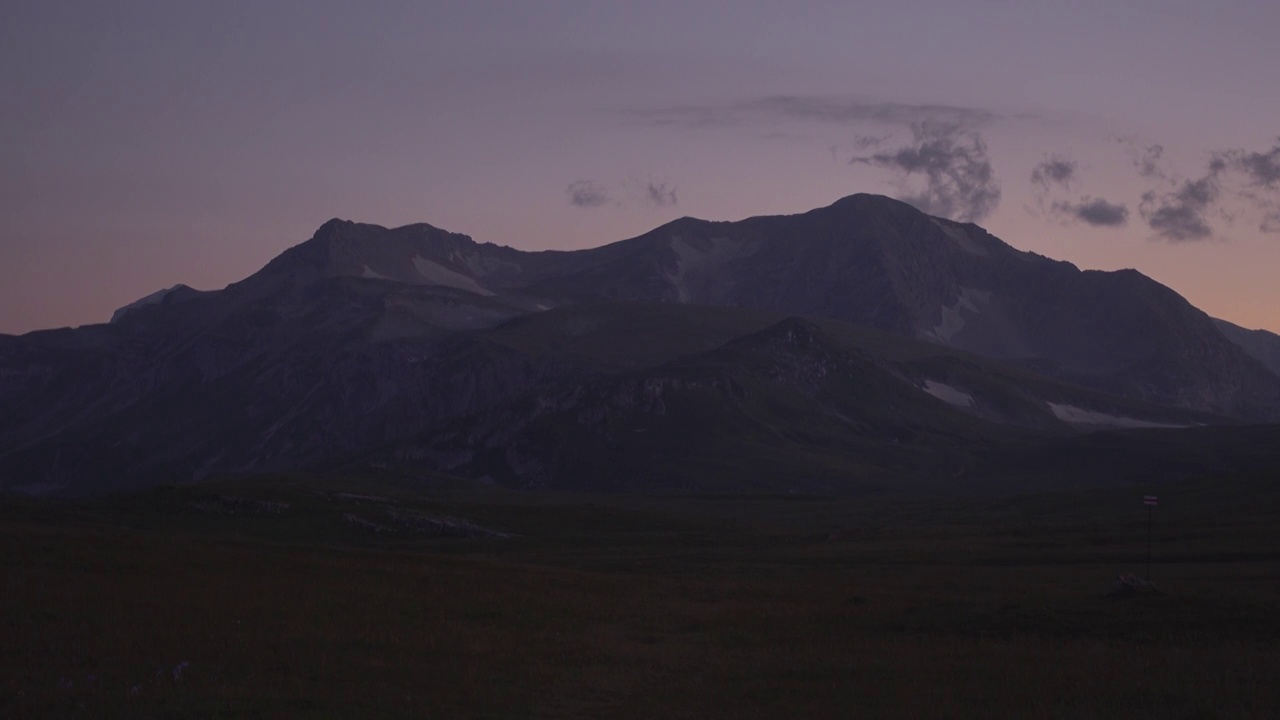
1149, 508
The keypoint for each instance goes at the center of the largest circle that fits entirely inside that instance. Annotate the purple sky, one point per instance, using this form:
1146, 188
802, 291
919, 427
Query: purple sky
144, 144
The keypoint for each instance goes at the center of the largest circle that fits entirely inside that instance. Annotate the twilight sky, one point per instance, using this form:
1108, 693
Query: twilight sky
144, 144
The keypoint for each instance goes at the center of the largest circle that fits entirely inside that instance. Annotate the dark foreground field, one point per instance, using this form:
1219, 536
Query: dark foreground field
279, 599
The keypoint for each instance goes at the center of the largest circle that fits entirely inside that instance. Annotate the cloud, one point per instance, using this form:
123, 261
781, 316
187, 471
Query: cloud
588, 194
661, 194
629, 192
1236, 180
1054, 170
826, 109
1180, 216
693, 116
1147, 160
1261, 171
1261, 168
1059, 172
959, 182
947, 155
864, 142
1094, 211
1270, 209
855, 111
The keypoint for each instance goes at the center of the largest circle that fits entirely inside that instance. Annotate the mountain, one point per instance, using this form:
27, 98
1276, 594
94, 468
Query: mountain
875, 261
772, 396
862, 344
865, 259
1262, 345
788, 407
225, 384
155, 297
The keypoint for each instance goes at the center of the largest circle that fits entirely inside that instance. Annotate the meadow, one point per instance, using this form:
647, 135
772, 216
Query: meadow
384, 598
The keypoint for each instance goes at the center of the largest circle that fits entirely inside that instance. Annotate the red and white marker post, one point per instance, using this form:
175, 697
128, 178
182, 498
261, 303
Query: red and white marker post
1150, 501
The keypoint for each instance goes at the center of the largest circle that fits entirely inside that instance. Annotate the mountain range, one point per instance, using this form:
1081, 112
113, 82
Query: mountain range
863, 346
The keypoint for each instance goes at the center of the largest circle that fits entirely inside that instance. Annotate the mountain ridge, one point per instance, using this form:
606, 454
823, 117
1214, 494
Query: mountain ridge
364, 337
869, 260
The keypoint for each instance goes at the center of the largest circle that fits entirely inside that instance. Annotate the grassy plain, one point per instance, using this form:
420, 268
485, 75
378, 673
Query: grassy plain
209, 602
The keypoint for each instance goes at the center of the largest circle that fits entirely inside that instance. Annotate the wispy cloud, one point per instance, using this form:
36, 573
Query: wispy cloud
952, 160
1147, 159
1271, 222
866, 142
856, 111
630, 192
588, 194
1054, 170
848, 111
660, 194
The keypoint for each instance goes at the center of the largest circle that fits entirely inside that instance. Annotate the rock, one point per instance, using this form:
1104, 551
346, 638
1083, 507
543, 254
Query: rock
1127, 585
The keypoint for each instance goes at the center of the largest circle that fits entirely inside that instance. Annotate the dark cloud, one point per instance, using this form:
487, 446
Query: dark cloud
1261, 168
1057, 172
959, 182
1182, 215
588, 194
1094, 211
1178, 209
660, 194
1054, 170
1261, 171
1233, 180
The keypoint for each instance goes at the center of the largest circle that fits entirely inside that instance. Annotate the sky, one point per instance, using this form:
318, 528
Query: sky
144, 144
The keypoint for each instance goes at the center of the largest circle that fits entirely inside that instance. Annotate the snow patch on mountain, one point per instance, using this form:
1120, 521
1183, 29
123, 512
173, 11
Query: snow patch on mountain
952, 321
483, 265
961, 238
437, 274
948, 394
1073, 415
697, 261
372, 274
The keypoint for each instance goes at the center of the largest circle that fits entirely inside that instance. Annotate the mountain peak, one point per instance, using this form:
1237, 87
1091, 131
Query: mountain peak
332, 224
152, 299
863, 201
333, 227
338, 229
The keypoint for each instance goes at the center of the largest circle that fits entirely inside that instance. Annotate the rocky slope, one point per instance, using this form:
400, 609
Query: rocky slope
1262, 345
